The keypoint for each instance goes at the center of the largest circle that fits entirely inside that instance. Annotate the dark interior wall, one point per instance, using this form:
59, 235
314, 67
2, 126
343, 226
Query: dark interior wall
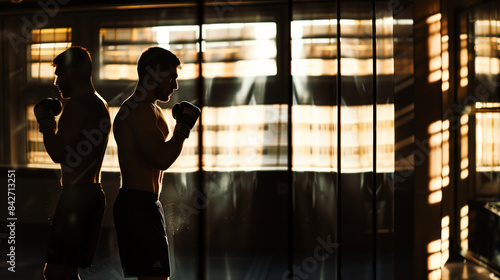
404, 174
443, 100
480, 187
452, 110
3, 129
428, 104
416, 221
37, 192
435, 102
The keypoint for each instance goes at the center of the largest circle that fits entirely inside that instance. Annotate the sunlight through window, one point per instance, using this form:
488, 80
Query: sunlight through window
45, 45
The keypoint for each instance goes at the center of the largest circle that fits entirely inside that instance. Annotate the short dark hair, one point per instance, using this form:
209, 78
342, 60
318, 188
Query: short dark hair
75, 58
154, 56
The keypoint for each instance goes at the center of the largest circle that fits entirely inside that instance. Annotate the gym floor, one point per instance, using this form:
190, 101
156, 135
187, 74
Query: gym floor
30, 258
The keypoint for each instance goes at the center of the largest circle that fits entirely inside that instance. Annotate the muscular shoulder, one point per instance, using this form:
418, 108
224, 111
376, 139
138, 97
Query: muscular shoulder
80, 114
93, 106
134, 115
97, 110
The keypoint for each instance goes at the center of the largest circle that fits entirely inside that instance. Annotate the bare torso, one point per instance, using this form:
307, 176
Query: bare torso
86, 147
137, 172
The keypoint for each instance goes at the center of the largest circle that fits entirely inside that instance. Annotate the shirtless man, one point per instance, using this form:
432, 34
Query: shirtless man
78, 142
146, 148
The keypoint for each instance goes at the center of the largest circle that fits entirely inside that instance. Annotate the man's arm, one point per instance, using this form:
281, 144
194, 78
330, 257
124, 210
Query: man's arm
69, 129
151, 142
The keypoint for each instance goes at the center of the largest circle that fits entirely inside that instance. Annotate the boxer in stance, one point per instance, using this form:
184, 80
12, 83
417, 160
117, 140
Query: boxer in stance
146, 147
78, 142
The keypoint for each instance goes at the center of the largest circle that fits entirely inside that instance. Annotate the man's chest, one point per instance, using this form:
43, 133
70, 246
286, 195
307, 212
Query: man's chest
161, 122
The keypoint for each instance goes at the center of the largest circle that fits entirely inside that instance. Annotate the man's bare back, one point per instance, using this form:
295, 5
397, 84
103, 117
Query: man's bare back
85, 151
78, 142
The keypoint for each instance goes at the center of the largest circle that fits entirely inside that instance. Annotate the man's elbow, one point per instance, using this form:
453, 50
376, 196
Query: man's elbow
167, 155
163, 165
164, 162
56, 155
52, 148
57, 158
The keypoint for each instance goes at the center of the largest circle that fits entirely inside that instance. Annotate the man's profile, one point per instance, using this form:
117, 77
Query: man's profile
82, 131
146, 147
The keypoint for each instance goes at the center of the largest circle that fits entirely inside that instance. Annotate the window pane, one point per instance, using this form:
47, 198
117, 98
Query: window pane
242, 138
314, 139
187, 162
487, 136
45, 45
121, 48
356, 130
245, 149
239, 49
36, 154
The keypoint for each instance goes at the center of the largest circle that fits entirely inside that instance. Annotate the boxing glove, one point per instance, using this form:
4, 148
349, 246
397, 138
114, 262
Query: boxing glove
45, 112
186, 115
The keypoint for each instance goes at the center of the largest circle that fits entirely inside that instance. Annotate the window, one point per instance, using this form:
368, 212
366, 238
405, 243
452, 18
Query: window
45, 45
230, 49
239, 49
121, 48
487, 136
38, 157
486, 47
314, 47
36, 154
245, 137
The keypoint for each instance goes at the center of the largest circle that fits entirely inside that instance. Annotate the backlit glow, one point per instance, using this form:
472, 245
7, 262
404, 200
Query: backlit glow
445, 239
121, 48
434, 48
487, 136
314, 47
254, 137
438, 250
438, 159
445, 57
485, 47
45, 45
464, 228
230, 49
464, 147
464, 60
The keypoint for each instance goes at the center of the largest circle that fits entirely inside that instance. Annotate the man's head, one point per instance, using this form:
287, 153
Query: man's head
157, 70
73, 66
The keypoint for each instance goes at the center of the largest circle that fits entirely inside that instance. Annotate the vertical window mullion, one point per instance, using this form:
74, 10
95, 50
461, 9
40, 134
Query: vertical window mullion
202, 275
339, 144
374, 137
289, 80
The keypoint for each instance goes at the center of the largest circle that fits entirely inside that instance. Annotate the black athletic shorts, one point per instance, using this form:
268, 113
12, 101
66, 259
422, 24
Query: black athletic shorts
140, 230
76, 225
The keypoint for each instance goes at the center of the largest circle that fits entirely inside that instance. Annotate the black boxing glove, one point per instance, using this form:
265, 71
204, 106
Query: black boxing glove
186, 115
45, 112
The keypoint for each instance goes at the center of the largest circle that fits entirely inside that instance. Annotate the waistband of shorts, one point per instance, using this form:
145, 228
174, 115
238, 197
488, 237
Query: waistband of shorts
83, 185
138, 195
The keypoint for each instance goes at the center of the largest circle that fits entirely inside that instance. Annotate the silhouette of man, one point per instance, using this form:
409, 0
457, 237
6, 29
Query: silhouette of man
78, 142
146, 147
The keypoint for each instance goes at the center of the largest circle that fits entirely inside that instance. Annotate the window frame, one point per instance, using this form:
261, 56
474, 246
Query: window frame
116, 91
